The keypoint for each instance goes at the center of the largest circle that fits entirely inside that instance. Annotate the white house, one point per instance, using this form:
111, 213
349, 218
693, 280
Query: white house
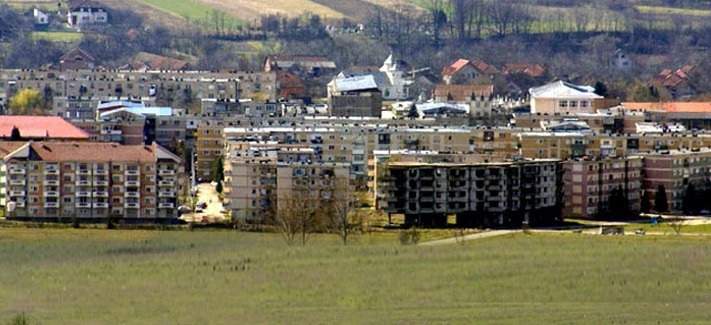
82, 13
563, 97
40, 17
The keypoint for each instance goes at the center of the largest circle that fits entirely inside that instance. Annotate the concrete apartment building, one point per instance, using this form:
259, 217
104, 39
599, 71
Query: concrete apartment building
675, 170
262, 177
495, 194
92, 182
590, 183
105, 84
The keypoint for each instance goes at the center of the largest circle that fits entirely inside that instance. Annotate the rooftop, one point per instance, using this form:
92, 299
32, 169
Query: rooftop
40, 127
91, 152
563, 89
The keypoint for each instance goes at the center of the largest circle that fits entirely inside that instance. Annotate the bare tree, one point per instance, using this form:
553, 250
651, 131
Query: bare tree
342, 209
296, 216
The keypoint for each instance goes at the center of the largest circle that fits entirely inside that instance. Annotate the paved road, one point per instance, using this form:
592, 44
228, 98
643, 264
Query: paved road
207, 194
481, 235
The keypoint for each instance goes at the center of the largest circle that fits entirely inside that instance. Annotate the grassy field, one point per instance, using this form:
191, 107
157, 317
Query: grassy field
192, 10
141, 277
57, 36
673, 11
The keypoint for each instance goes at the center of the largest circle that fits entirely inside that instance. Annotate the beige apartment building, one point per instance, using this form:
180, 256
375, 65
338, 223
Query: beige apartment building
263, 177
138, 84
92, 182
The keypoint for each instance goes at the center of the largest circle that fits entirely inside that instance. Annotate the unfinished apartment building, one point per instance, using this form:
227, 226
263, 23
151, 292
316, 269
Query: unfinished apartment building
489, 194
591, 183
92, 182
263, 176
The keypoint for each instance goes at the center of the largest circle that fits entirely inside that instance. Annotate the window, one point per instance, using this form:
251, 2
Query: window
563, 104
583, 104
573, 104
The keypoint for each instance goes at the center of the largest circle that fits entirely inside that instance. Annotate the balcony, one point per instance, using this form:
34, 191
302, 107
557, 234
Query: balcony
17, 193
82, 183
51, 172
18, 171
101, 205
101, 172
132, 183
166, 194
166, 205
100, 194
20, 204
51, 205
101, 183
51, 193
51, 183
131, 194
17, 182
83, 172
166, 172
166, 183
85, 205
130, 172
83, 194
111, 132
131, 205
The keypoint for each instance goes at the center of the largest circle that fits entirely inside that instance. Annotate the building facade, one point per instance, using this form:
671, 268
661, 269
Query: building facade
608, 188
494, 194
92, 182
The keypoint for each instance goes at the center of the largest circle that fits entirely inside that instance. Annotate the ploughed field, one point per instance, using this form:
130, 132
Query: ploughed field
67, 276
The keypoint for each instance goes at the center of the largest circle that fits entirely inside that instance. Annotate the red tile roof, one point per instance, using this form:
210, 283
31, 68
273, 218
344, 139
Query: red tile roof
98, 152
477, 64
532, 70
40, 127
670, 107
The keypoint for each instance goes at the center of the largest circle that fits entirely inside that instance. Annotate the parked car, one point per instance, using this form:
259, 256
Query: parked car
184, 209
199, 210
202, 205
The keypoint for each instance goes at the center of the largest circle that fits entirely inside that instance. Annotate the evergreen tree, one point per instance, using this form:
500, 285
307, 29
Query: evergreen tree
646, 206
660, 200
217, 172
601, 89
691, 203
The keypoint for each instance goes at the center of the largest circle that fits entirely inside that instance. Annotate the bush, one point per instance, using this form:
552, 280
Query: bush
20, 319
410, 236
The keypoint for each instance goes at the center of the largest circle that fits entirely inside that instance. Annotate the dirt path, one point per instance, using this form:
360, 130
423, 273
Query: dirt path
481, 235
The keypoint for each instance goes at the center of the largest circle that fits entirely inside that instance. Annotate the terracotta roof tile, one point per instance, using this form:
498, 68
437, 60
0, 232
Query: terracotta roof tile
670, 107
42, 127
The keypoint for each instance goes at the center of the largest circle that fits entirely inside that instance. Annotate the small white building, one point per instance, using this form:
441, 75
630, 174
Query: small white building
41, 18
563, 97
82, 13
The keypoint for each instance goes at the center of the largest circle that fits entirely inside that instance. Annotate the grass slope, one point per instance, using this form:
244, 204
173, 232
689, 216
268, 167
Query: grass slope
192, 10
57, 36
138, 277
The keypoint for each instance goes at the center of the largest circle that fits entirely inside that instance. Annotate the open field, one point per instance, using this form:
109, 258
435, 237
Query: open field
57, 36
141, 277
673, 11
191, 10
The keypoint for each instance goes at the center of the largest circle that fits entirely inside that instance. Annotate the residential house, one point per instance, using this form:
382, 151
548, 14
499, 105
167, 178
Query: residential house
77, 59
563, 97
83, 12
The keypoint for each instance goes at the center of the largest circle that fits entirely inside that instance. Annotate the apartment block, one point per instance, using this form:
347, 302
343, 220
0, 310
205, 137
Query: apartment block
591, 184
262, 177
91, 182
675, 170
492, 194
139, 84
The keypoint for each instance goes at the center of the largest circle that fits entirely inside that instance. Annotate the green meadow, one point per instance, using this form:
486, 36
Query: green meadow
68, 276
